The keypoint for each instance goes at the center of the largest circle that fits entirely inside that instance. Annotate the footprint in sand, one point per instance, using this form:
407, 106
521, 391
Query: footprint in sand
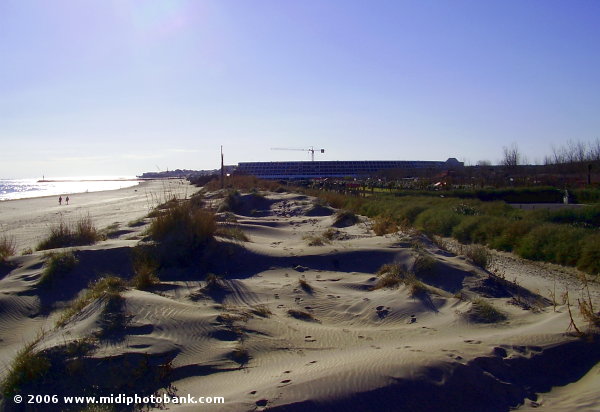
262, 402
285, 382
382, 312
253, 393
473, 342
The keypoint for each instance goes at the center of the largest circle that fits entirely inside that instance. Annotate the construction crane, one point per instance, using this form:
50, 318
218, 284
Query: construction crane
310, 149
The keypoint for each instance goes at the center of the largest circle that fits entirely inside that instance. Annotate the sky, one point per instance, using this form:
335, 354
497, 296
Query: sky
119, 87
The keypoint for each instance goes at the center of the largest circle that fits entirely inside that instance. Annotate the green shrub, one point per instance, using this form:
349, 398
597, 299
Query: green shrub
409, 213
488, 229
552, 243
512, 235
463, 232
439, 221
8, 247
589, 261
57, 264
80, 233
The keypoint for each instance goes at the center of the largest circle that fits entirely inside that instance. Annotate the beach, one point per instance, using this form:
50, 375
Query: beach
296, 316
29, 220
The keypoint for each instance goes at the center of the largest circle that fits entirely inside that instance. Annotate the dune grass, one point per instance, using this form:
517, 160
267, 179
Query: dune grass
181, 230
108, 287
261, 310
344, 218
485, 312
301, 315
384, 225
27, 366
57, 265
145, 268
232, 232
305, 286
8, 247
67, 234
479, 255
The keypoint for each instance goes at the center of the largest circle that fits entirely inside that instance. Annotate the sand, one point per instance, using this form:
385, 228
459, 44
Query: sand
294, 327
29, 220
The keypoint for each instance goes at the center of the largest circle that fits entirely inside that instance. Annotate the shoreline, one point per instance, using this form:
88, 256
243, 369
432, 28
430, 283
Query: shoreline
29, 219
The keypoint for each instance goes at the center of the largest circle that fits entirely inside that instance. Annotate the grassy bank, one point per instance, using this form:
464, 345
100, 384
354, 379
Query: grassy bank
565, 236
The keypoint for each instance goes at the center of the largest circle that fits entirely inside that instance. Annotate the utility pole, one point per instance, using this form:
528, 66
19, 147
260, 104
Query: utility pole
222, 169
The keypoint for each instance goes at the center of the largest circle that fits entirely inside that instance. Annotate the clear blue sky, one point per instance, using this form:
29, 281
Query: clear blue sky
126, 86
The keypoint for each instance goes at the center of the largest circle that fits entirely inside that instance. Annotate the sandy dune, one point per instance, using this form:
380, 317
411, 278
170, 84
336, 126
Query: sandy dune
295, 327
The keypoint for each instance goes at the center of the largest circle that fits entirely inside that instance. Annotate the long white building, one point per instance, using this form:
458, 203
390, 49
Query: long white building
323, 169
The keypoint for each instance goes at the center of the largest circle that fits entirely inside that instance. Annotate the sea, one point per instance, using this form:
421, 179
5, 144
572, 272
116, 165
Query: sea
11, 189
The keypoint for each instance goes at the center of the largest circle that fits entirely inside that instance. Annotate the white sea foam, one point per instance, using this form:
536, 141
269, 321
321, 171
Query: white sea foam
27, 188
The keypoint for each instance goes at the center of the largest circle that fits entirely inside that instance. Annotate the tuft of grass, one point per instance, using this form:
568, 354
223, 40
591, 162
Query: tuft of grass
240, 355
479, 255
231, 203
261, 310
79, 233
27, 251
417, 288
305, 286
423, 264
145, 268
107, 287
182, 230
390, 275
330, 234
137, 222
314, 240
232, 232
301, 315
484, 312
27, 366
384, 224
344, 218
8, 247
58, 264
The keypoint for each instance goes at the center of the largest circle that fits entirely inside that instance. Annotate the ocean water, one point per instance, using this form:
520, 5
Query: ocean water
27, 188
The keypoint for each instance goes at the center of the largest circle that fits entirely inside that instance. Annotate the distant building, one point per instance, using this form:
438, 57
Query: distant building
324, 169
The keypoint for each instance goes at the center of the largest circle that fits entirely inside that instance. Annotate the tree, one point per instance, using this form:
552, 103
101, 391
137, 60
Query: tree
512, 156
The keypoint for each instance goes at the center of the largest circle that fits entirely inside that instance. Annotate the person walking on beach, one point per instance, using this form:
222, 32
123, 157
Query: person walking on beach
60, 200
67, 200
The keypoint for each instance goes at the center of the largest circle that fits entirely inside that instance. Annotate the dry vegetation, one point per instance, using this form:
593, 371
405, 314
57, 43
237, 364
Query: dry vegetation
8, 247
66, 234
57, 265
28, 365
108, 287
